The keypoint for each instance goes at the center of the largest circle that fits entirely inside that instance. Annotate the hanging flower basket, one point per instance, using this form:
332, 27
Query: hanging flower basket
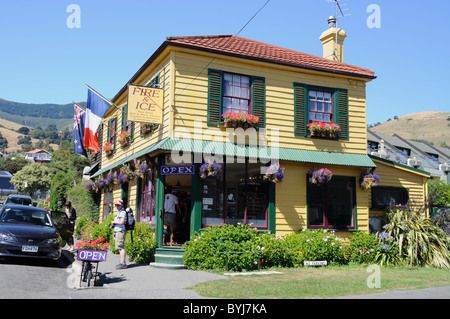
210, 169
320, 176
126, 174
90, 187
274, 173
142, 169
110, 179
370, 180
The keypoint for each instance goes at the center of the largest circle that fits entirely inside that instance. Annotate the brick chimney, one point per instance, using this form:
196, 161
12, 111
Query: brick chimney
332, 49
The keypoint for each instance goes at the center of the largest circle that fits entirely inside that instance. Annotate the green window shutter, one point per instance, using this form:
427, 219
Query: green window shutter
300, 109
214, 97
342, 112
259, 99
124, 121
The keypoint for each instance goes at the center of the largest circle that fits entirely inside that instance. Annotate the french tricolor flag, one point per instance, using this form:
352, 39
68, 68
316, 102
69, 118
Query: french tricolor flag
96, 108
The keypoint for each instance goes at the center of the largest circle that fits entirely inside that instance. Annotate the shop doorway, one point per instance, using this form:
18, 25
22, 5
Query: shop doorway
176, 230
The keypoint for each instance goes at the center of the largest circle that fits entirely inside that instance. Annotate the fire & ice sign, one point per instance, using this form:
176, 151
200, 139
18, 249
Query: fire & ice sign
145, 104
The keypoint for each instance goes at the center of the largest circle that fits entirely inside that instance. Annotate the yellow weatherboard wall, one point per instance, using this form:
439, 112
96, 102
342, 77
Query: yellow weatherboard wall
191, 94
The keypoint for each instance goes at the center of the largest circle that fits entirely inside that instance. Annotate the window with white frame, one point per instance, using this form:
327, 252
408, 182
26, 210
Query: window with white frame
320, 106
236, 93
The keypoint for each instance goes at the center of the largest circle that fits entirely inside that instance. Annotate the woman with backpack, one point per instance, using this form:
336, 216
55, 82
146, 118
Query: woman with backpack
120, 232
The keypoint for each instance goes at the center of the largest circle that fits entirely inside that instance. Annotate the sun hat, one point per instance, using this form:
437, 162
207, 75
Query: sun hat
118, 202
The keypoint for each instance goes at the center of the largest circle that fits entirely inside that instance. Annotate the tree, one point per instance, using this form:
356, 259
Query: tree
23, 130
60, 187
32, 178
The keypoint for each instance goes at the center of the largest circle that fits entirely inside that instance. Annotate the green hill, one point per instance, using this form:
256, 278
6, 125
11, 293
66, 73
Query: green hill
431, 126
35, 115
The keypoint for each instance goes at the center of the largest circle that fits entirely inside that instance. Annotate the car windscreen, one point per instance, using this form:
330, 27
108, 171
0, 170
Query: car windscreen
22, 216
18, 201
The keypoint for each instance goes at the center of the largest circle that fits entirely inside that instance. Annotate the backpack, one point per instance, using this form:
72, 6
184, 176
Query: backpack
129, 219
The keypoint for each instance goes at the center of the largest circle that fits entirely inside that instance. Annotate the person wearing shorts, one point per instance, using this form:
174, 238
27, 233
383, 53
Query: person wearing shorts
120, 233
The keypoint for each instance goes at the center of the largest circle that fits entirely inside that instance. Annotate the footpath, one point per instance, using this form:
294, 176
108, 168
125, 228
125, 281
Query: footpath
137, 281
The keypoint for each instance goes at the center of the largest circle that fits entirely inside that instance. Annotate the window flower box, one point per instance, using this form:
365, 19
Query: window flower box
108, 148
124, 138
240, 119
321, 129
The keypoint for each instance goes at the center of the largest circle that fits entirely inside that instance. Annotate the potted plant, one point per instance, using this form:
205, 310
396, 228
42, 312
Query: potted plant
108, 148
369, 180
275, 173
124, 138
333, 130
314, 128
210, 169
97, 244
320, 176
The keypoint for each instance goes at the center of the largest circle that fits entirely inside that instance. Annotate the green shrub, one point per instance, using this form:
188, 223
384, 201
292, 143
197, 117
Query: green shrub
420, 242
92, 230
362, 248
142, 248
211, 248
215, 246
314, 245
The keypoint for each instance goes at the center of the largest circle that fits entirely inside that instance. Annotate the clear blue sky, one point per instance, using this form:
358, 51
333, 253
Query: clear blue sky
44, 61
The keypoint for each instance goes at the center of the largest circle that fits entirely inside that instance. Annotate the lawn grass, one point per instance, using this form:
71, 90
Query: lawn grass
321, 282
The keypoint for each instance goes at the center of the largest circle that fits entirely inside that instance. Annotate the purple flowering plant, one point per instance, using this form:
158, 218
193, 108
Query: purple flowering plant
210, 169
370, 180
275, 173
320, 176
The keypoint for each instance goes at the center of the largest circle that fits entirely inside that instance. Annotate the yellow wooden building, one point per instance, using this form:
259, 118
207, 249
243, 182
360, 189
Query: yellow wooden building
205, 77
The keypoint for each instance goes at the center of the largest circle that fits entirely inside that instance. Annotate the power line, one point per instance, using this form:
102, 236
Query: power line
226, 44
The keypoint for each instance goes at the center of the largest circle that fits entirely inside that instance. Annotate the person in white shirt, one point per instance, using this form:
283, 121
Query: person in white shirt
170, 209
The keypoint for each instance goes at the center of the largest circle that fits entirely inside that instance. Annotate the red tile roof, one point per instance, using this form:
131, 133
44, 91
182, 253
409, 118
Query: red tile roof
246, 48
250, 49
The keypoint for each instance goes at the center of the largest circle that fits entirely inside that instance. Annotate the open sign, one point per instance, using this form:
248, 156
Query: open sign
92, 255
178, 170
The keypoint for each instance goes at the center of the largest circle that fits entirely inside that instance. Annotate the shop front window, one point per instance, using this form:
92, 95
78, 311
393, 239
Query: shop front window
332, 205
147, 200
240, 195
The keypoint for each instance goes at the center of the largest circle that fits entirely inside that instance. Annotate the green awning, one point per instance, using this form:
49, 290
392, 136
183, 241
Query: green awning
221, 148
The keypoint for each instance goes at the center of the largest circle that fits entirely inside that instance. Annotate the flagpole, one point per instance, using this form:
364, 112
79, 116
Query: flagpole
120, 109
79, 106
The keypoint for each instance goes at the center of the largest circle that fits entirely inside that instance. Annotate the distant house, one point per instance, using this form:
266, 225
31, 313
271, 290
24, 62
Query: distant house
432, 159
38, 156
6, 187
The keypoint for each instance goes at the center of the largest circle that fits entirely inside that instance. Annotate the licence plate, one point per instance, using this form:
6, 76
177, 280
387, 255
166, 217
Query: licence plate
30, 249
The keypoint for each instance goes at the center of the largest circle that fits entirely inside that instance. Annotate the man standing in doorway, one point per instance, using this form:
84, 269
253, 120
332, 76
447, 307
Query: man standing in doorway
120, 232
170, 209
